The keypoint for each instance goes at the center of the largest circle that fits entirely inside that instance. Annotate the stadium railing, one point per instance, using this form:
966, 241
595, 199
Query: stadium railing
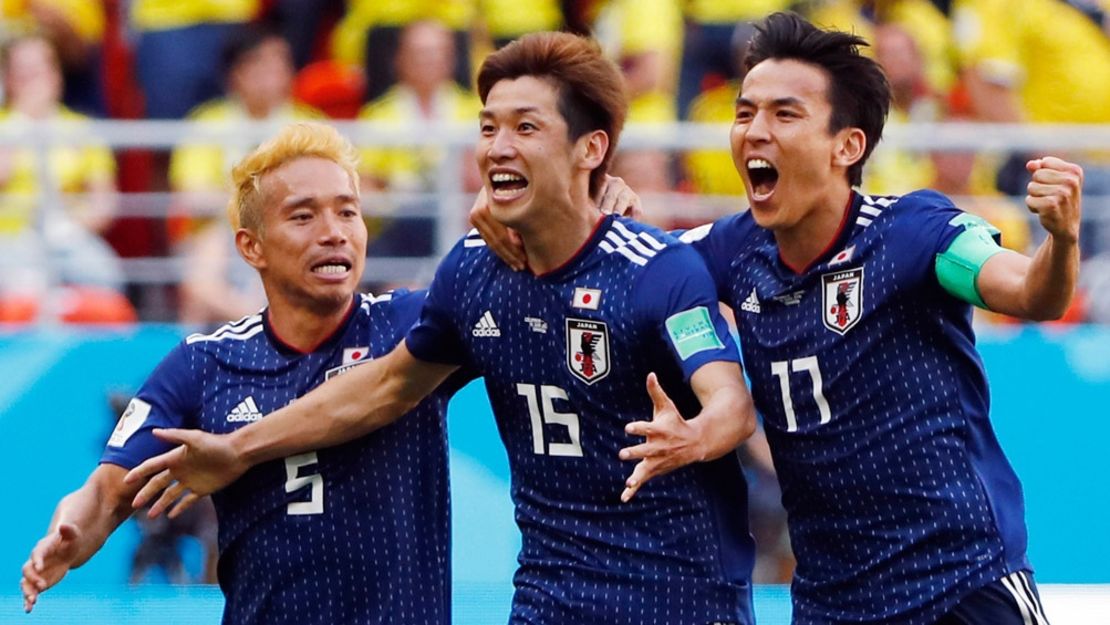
454, 142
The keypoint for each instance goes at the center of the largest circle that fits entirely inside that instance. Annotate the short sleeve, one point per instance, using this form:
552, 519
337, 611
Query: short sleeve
710, 241
170, 398
435, 337
927, 224
679, 302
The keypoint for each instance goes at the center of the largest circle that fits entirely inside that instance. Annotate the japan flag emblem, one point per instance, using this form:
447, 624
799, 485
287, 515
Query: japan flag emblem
842, 299
589, 299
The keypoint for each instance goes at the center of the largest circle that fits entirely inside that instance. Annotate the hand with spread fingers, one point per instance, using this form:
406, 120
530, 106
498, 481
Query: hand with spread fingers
671, 441
50, 560
1055, 196
202, 464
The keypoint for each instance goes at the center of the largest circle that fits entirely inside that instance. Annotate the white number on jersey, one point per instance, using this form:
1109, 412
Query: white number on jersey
782, 370
545, 413
294, 481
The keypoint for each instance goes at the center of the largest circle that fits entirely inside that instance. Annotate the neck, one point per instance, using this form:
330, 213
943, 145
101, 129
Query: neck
304, 328
426, 98
800, 244
563, 231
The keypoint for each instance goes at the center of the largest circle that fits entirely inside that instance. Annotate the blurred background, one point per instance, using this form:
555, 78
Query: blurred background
121, 119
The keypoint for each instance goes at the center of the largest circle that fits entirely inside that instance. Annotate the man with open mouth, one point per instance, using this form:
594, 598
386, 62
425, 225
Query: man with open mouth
564, 348
854, 317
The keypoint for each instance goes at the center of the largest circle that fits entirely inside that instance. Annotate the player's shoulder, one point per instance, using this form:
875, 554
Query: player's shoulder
629, 241
394, 304
724, 232
235, 335
470, 250
902, 209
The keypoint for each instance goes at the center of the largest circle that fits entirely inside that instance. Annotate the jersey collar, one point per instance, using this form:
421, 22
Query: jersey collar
839, 240
285, 348
592, 241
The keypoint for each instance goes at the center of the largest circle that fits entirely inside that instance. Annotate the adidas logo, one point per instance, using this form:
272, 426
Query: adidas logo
486, 326
751, 303
245, 412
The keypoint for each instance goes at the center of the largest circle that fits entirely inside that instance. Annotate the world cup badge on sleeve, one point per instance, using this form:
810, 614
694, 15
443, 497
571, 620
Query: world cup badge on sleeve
588, 349
842, 299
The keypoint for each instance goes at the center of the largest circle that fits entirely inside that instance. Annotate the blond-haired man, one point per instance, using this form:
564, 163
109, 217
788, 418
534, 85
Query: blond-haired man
353, 533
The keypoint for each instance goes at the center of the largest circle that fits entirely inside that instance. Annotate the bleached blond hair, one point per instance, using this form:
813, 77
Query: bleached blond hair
298, 140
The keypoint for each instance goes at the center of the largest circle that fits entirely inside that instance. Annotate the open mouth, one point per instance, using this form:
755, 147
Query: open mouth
507, 185
332, 268
763, 177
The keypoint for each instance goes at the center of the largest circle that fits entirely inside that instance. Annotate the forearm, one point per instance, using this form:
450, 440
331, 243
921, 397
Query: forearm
347, 407
366, 398
1051, 280
726, 420
95, 513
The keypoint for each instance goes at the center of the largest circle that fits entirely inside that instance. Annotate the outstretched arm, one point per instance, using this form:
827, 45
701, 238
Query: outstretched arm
82, 522
1041, 287
346, 407
727, 418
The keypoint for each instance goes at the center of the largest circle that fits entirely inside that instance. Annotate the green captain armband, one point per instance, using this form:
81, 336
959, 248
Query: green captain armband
958, 266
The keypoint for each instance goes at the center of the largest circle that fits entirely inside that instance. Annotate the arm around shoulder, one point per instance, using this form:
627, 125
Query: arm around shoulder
360, 401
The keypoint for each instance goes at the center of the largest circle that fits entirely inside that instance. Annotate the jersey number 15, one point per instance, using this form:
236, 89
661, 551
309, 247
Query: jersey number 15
542, 411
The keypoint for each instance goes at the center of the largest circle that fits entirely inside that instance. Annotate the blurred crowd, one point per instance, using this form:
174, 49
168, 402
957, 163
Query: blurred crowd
399, 61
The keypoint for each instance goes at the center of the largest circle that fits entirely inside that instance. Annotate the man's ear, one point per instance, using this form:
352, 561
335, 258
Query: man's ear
249, 244
850, 145
592, 148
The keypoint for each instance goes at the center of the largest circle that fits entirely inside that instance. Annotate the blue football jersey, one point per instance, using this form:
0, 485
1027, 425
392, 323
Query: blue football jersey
357, 533
565, 356
875, 404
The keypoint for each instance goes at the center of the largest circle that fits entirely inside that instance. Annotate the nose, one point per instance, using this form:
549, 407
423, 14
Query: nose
759, 128
332, 230
501, 146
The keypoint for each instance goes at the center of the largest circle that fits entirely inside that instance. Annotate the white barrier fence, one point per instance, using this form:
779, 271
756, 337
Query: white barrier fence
455, 142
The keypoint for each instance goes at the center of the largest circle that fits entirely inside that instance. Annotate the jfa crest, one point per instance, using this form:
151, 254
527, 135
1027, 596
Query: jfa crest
588, 349
842, 299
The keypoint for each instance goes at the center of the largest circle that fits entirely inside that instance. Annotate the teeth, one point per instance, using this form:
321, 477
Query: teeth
758, 163
330, 269
504, 177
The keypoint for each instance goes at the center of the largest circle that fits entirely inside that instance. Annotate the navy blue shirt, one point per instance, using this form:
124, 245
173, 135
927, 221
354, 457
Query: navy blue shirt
357, 533
565, 356
876, 407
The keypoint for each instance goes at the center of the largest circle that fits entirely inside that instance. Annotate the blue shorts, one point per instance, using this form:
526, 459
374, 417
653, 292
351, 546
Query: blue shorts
1012, 600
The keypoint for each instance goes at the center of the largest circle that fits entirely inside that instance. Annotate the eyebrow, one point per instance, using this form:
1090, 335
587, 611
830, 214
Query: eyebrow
777, 102
297, 201
520, 110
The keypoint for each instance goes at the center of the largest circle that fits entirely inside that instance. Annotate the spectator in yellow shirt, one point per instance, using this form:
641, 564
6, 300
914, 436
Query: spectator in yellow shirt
1040, 61
424, 93
50, 227
76, 29
217, 284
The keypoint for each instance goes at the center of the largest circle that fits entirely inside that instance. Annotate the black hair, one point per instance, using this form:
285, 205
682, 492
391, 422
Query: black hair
245, 40
859, 93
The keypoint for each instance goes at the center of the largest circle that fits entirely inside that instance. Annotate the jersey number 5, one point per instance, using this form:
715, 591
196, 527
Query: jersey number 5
294, 481
548, 414
782, 370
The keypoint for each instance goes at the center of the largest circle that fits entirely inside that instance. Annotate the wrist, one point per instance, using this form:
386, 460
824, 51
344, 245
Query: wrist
244, 448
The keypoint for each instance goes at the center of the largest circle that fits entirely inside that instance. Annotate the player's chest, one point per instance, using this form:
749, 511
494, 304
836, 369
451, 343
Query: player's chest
572, 331
238, 398
836, 303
